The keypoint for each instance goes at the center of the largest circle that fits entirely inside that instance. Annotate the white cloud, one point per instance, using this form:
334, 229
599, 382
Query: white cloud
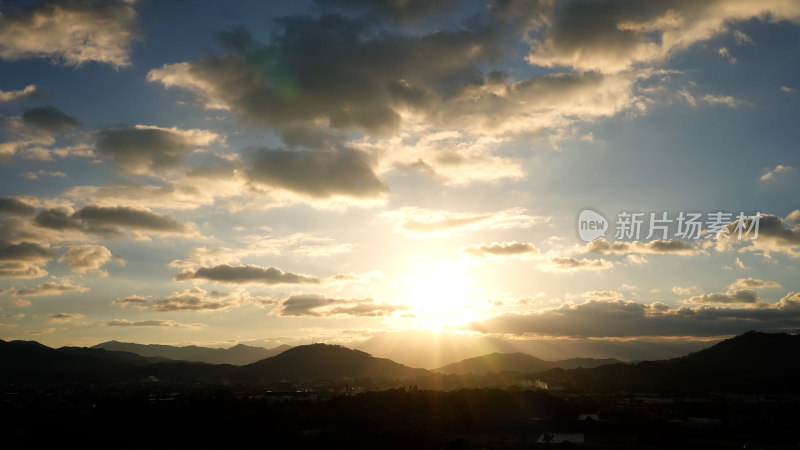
779, 170
9, 96
420, 222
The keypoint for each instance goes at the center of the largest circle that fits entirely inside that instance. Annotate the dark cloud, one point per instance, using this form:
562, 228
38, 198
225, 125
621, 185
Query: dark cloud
196, 299
401, 9
616, 35
505, 249
304, 305
101, 218
64, 317
348, 84
245, 274
11, 205
133, 301
747, 296
620, 318
320, 305
23, 259
70, 31
51, 288
49, 119
775, 234
316, 173
152, 323
603, 247
752, 283
569, 264
25, 251
109, 220
149, 150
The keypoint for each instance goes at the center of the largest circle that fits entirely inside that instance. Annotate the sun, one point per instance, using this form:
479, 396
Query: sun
440, 294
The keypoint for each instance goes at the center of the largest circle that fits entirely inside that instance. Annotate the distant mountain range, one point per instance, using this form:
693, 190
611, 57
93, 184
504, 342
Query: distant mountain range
322, 361
517, 362
752, 362
237, 355
432, 349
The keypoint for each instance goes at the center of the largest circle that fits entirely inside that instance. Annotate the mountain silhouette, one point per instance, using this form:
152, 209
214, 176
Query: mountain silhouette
516, 362
323, 361
28, 361
751, 362
114, 355
237, 355
32, 362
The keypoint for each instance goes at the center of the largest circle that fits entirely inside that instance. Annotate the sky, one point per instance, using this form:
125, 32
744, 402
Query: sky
351, 171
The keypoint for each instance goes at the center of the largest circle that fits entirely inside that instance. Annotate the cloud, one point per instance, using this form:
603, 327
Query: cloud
182, 195
63, 317
147, 150
780, 169
225, 273
21, 270
110, 220
419, 222
25, 251
15, 206
304, 244
32, 135
320, 305
742, 38
23, 259
775, 234
70, 32
383, 82
726, 100
790, 300
603, 295
132, 301
49, 119
51, 288
603, 247
20, 303
35, 175
570, 264
86, 258
746, 296
738, 263
616, 36
723, 52
454, 157
402, 9
318, 174
29, 91
364, 79
623, 319
688, 290
752, 283
152, 323
787, 89
194, 299
40, 332
502, 250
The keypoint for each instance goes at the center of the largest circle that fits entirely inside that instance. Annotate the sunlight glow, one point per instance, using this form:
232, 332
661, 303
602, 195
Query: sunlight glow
441, 294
